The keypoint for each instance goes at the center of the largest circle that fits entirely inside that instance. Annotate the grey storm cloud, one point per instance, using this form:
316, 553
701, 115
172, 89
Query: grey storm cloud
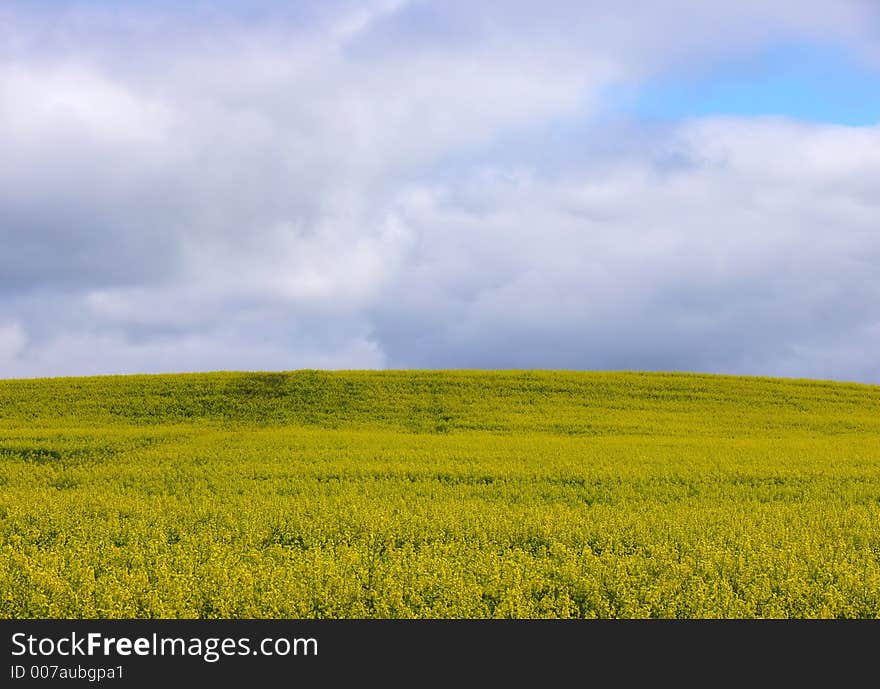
325, 186
760, 256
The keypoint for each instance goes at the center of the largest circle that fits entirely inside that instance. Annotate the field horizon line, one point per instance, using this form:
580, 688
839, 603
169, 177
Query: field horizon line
659, 373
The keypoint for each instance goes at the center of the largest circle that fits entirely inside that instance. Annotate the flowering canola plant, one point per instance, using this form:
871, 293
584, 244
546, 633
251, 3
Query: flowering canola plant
428, 494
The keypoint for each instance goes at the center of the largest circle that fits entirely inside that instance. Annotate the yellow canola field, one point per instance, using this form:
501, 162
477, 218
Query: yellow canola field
438, 494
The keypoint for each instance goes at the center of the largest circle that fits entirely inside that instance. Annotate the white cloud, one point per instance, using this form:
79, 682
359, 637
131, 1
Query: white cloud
74, 100
729, 261
187, 190
13, 341
87, 353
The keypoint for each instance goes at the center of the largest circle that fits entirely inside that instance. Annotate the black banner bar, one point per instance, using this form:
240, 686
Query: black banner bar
287, 652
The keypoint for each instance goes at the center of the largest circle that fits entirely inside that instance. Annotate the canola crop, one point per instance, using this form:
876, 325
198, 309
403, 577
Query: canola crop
455, 494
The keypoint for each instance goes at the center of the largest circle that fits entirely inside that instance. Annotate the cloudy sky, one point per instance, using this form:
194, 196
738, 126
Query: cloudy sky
670, 185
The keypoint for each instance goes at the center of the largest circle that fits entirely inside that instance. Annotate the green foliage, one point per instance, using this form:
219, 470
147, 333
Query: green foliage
439, 494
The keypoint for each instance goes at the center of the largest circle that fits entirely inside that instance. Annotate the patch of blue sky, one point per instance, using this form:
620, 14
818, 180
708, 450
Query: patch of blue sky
805, 82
